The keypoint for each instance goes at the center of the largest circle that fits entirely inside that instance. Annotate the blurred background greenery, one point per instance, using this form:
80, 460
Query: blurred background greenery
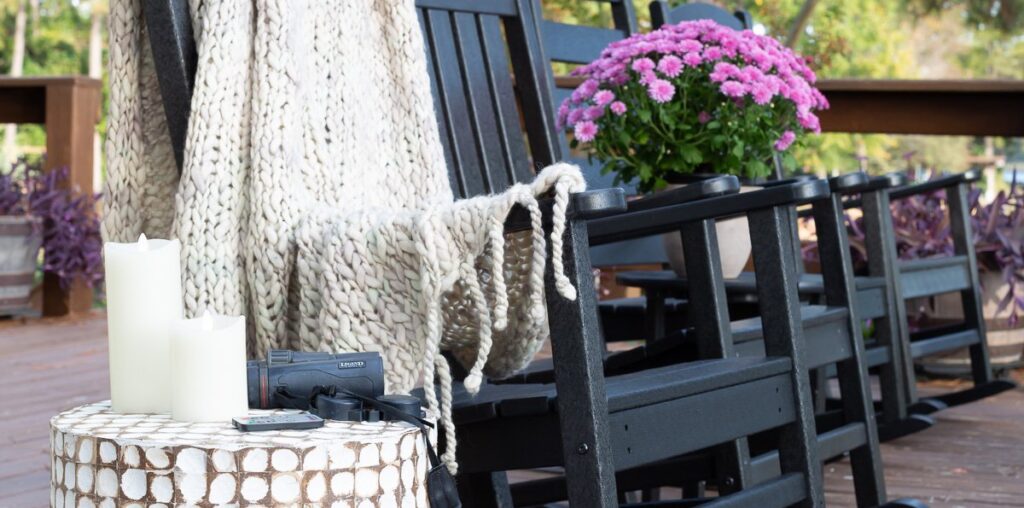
49, 38
898, 39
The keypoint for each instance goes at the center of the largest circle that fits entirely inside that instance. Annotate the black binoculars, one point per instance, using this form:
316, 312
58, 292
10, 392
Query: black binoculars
343, 386
286, 379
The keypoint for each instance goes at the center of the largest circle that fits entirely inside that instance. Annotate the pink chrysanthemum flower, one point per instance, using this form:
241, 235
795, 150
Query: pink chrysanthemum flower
563, 114
761, 93
585, 90
618, 107
642, 65
689, 46
703, 117
574, 116
603, 97
661, 91
594, 112
785, 141
692, 59
585, 131
670, 66
733, 89
808, 121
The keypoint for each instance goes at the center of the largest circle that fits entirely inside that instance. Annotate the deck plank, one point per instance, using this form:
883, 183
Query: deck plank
972, 457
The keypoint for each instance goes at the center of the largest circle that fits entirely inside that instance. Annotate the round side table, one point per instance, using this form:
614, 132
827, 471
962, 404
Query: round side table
101, 459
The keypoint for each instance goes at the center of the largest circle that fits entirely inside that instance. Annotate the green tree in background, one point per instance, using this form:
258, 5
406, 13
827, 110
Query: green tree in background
56, 42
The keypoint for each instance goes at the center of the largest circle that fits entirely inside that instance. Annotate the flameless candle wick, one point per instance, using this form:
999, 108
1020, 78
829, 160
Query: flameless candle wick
143, 243
207, 321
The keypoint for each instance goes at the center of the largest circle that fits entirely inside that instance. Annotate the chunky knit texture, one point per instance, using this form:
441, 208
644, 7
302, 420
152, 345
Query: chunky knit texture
315, 198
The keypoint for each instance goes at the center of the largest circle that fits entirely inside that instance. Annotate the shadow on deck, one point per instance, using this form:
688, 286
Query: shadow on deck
973, 457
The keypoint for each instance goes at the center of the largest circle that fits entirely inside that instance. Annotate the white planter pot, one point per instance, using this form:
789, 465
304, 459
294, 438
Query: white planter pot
733, 244
20, 239
1005, 344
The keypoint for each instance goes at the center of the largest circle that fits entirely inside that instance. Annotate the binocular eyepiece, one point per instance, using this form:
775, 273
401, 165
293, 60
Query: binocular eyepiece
351, 409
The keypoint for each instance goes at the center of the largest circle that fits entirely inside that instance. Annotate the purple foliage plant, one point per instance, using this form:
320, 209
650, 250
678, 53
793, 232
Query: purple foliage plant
922, 228
71, 227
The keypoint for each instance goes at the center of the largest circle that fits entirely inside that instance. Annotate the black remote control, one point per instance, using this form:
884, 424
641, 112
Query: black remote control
290, 421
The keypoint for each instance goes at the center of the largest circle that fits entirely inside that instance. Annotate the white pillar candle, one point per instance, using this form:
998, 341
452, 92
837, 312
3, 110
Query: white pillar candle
143, 283
208, 380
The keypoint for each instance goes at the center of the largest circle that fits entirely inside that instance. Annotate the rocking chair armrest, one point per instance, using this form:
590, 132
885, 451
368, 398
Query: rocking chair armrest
875, 183
848, 183
944, 182
701, 189
785, 181
584, 206
852, 190
638, 224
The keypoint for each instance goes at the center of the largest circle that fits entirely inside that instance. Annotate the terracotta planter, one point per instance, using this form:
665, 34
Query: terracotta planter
733, 243
1005, 343
20, 240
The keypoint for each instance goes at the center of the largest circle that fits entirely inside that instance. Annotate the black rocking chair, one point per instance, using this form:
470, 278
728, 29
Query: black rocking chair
878, 298
591, 425
828, 342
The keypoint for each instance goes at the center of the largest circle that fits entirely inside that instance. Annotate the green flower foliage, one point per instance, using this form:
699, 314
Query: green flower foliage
652, 142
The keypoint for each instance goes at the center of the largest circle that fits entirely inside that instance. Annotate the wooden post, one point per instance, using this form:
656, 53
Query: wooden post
70, 109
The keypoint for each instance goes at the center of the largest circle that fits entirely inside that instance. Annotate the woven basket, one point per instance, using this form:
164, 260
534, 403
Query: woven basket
20, 240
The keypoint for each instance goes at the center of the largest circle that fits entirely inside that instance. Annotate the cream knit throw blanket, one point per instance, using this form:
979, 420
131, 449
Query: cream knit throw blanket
315, 196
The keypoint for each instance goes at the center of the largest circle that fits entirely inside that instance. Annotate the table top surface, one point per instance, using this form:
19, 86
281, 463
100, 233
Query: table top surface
98, 421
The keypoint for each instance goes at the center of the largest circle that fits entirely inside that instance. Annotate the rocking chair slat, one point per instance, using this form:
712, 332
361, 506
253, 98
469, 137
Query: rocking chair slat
513, 145
454, 105
483, 125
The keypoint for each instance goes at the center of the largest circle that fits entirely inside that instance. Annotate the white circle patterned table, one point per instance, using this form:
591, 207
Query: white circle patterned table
101, 459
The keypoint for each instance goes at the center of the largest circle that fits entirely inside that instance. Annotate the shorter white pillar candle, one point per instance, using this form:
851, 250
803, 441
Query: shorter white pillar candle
208, 369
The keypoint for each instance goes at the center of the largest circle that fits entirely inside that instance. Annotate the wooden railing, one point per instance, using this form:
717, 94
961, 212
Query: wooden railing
69, 108
947, 107
938, 107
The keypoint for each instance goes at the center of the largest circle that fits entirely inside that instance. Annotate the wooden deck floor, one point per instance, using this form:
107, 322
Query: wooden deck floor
973, 457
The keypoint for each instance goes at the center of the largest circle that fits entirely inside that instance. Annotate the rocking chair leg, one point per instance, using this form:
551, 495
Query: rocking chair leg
974, 317
487, 490
578, 349
649, 495
819, 383
709, 305
774, 265
880, 239
837, 271
693, 490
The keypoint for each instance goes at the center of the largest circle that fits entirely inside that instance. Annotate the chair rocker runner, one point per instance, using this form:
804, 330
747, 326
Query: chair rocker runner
591, 425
